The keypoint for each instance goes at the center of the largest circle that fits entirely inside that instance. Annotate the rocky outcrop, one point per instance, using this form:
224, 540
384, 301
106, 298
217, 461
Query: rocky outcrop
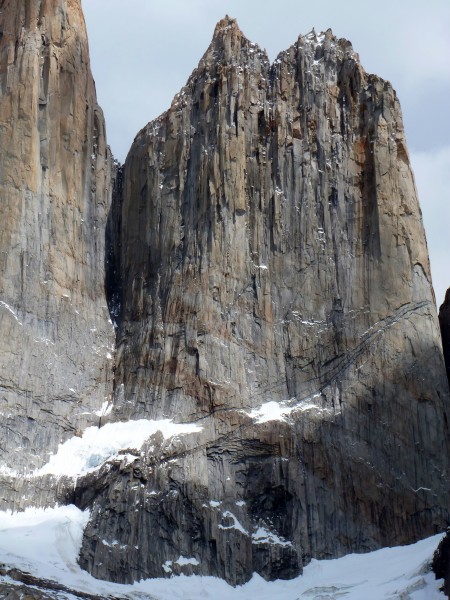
444, 322
441, 563
269, 278
55, 188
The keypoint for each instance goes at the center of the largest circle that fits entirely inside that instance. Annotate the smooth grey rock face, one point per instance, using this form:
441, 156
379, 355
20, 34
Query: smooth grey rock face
55, 189
270, 281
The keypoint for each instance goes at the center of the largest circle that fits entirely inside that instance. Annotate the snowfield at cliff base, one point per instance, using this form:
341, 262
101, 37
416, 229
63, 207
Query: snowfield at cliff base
46, 544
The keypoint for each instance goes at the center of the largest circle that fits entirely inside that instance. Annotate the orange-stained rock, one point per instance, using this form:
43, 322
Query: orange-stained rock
55, 188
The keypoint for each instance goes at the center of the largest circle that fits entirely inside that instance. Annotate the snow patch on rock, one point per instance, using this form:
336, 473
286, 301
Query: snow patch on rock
80, 455
183, 561
263, 536
235, 524
270, 411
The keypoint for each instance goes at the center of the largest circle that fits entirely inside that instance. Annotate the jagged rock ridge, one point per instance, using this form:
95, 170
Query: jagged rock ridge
269, 277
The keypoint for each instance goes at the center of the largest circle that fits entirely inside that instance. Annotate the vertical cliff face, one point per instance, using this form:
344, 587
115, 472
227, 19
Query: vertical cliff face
268, 276
270, 282
276, 203
55, 187
444, 322
441, 560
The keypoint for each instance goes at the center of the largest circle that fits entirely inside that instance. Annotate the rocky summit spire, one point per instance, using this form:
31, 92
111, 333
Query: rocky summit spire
274, 290
227, 27
55, 185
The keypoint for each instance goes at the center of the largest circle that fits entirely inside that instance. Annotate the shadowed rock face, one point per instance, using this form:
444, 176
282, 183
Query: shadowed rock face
444, 322
55, 188
441, 563
270, 281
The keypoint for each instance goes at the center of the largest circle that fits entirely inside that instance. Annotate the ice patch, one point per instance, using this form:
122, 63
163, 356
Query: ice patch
79, 455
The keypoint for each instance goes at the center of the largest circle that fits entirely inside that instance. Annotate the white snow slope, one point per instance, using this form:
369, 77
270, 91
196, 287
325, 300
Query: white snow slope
46, 543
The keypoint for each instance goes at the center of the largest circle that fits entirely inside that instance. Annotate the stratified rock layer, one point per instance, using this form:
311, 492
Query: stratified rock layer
270, 281
55, 188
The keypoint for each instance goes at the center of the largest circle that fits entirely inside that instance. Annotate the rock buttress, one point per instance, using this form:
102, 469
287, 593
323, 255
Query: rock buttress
55, 189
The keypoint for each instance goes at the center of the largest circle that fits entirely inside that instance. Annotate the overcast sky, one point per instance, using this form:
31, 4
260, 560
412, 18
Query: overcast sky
143, 51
